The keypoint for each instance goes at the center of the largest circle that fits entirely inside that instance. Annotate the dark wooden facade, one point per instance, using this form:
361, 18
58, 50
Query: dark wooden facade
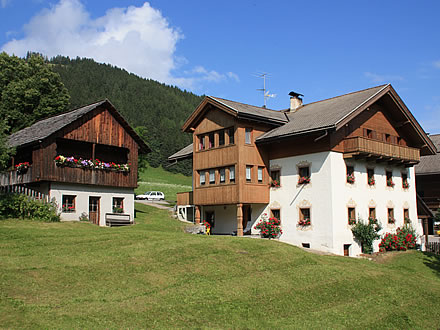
96, 135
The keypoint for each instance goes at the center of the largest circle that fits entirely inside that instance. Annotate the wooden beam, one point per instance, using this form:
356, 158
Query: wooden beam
239, 219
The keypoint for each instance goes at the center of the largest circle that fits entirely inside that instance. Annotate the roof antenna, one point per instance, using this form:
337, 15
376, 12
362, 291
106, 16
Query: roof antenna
266, 94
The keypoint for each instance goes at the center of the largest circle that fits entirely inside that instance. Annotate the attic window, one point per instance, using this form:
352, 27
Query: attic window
248, 135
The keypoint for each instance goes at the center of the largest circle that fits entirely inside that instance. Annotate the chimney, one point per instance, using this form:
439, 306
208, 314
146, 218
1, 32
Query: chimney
295, 101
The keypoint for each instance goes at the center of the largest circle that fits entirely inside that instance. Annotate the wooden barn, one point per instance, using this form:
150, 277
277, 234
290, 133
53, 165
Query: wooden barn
86, 160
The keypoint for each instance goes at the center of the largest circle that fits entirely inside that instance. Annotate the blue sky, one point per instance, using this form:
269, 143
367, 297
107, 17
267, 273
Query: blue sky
318, 48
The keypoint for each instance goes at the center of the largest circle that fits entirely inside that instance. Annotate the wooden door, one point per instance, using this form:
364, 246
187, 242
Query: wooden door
246, 216
94, 209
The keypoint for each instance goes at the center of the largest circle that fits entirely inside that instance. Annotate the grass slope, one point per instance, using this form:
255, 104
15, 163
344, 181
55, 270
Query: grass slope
76, 275
158, 179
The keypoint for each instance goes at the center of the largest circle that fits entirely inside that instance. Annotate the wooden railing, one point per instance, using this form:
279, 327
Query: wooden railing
185, 198
362, 145
433, 247
12, 177
17, 189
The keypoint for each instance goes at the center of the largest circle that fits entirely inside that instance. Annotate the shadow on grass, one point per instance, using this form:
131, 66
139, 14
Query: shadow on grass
432, 261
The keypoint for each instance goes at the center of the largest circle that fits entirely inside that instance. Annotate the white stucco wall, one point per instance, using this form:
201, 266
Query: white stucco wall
83, 192
226, 217
329, 196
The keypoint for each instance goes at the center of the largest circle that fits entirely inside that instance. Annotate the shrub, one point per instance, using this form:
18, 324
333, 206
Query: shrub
366, 233
21, 206
404, 239
269, 228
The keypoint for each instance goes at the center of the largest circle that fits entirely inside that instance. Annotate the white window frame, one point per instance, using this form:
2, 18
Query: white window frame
232, 173
211, 176
260, 174
222, 175
248, 173
202, 178
248, 135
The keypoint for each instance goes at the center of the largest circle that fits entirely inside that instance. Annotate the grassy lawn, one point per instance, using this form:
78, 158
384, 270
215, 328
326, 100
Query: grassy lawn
158, 179
76, 275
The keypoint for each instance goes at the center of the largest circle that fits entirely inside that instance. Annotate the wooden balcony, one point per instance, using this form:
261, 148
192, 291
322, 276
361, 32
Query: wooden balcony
185, 198
12, 178
363, 148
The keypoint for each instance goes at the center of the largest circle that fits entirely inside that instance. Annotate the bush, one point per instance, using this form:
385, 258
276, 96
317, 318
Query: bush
269, 228
21, 206
404, 239
366, 233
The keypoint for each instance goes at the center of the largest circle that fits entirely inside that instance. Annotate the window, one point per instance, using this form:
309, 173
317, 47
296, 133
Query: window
69, 203
248, 173
248, 135
304, 175
368, 133
232, 174
211, 176
350, 174
275, 213
372, 215
275, 178
347, 250
118, 205
390, 214
221, 138
406, 219
370, 177
231, 135
387, 138
405, 183
260, 174
304, 217
202, 177
351, 216
306, 245
211, 140
222, 175
390, 182
202, 142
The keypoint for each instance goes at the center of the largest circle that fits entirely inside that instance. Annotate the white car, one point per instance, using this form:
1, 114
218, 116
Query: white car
152, 195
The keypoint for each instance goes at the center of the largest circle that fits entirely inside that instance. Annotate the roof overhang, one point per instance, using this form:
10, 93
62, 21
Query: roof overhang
425, 144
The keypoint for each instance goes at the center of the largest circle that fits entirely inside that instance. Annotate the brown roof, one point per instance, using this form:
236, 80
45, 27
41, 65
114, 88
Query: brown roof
323, 114
251, 110
46, 127
430, 164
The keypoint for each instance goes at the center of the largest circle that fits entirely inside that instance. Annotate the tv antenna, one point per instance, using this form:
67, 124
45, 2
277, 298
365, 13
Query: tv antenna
266, 93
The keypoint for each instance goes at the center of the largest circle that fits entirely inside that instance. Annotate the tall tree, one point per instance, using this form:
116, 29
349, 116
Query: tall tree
30, 91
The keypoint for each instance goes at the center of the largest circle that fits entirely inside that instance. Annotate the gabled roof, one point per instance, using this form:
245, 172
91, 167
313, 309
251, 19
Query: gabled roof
236, 109
323, 114
334, 113
430, 164
46, 127
182, 154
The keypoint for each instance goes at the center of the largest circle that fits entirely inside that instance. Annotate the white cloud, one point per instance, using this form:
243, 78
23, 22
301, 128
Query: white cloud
138, 39
377, 78
4, 3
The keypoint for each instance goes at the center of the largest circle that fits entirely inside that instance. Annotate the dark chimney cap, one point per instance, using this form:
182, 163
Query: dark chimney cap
294, 94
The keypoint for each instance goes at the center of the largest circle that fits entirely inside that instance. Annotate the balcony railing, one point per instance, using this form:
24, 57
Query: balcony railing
12, 177
363, 147
185, 198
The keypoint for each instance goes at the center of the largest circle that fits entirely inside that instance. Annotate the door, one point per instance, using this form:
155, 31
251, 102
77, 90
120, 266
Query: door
94, 209
246, 217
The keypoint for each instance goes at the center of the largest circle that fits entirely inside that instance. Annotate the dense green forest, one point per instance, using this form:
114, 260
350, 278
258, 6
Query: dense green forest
157, 111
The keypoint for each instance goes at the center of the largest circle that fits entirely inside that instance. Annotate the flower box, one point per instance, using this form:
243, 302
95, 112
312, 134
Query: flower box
94, 164
275, 184
304, 180
390, 183
391, 220
405, 185
350, 178
371, 181
304, 222
22, 168
351, 222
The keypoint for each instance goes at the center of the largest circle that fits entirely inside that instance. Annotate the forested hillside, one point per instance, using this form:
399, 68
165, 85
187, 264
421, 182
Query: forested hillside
157, 111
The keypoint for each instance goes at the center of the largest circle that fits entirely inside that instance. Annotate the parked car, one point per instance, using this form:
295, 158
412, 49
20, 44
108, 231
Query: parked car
152, 195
